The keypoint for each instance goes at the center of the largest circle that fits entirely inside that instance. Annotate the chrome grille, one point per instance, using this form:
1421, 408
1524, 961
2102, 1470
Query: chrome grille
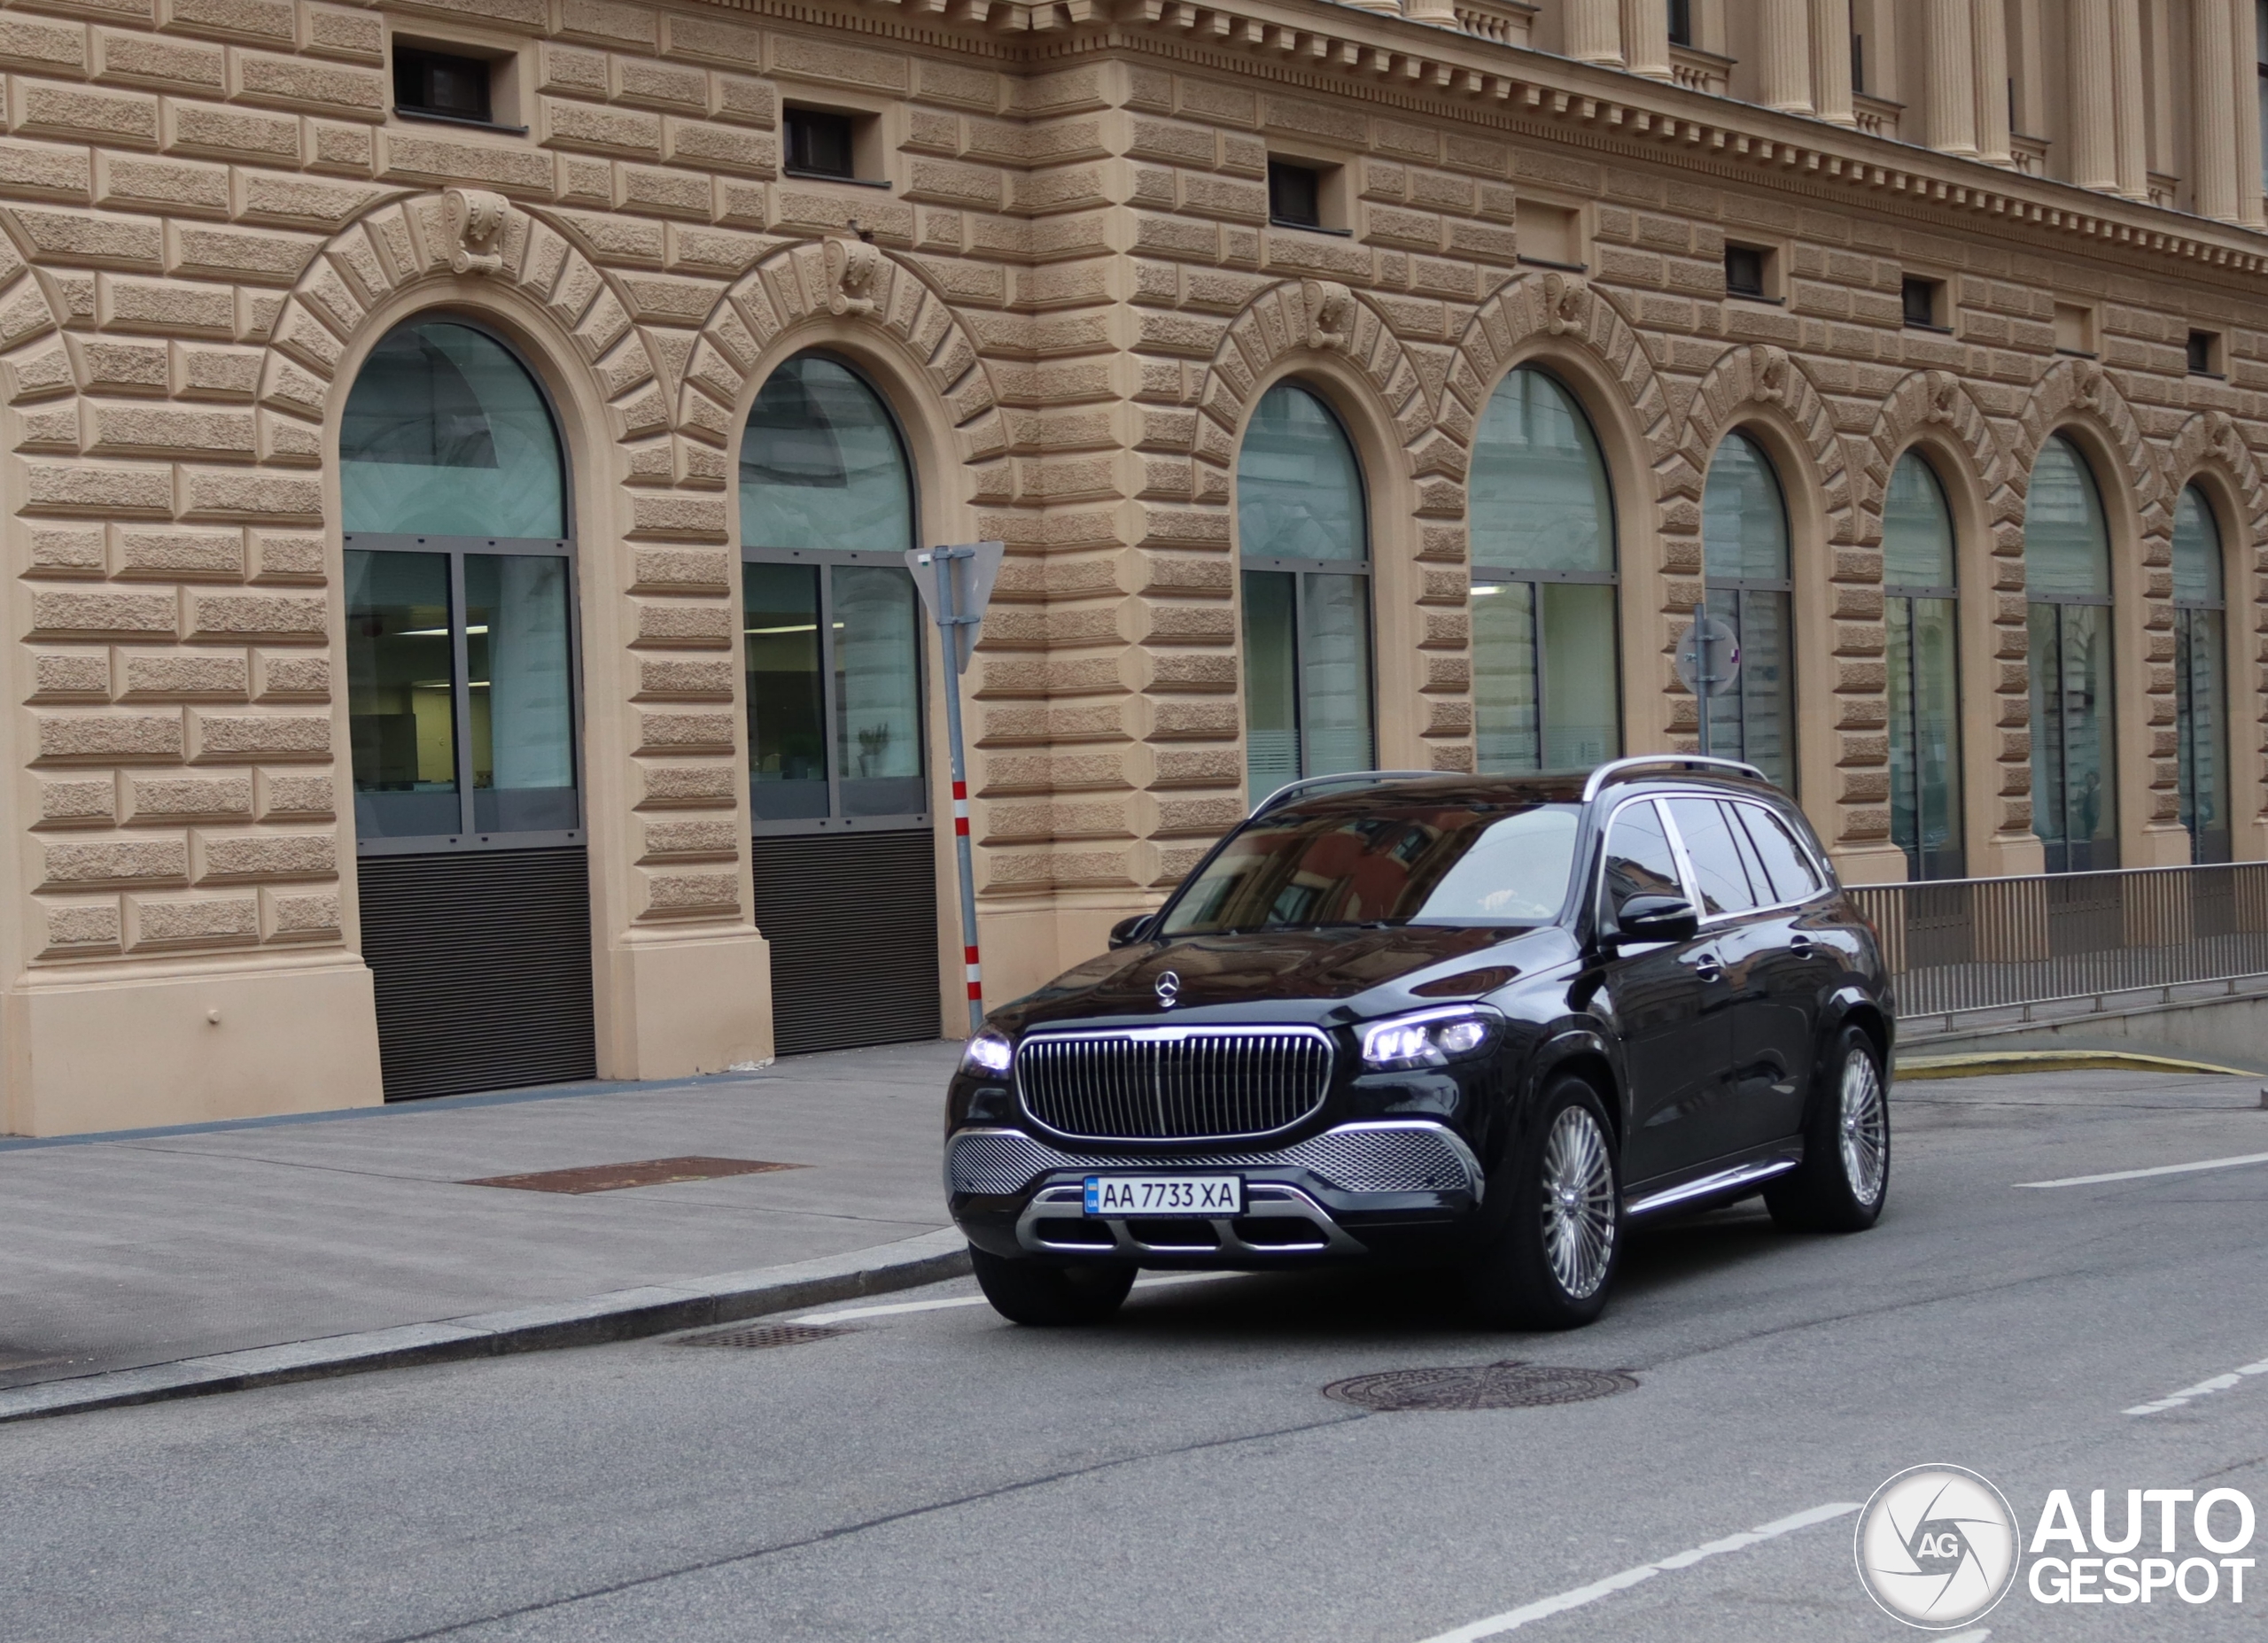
1392, 1156
1173, 1084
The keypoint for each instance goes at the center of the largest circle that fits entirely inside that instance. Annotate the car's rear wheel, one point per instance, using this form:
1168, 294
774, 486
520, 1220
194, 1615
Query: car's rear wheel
1550, 1265
1028, 1292
1845, 1176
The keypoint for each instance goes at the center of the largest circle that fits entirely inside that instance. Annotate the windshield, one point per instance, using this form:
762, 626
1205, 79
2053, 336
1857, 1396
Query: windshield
1460, 864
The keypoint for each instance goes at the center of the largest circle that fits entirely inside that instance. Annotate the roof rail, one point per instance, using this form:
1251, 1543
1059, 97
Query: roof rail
1680, 760
1361, 779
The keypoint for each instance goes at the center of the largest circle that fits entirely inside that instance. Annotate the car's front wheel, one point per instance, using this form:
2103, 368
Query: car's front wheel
1028, 1291
1845, 1176
1550, 1265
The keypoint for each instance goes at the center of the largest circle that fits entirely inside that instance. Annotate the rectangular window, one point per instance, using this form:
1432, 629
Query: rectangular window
822, 144
2200, 712
2204, 353
832, 646
441, 85
1545, 690
1925, 803
1746, 268
460, 693
1923, 302
1294, 195
1307, 637
2074, 791
1680, 22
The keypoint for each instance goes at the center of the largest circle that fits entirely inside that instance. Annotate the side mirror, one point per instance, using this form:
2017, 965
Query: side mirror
1658, 918
1126, 932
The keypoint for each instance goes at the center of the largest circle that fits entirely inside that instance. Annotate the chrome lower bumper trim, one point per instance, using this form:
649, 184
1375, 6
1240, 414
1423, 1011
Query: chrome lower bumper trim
1709, 1186
1367, 1156
1263, 1201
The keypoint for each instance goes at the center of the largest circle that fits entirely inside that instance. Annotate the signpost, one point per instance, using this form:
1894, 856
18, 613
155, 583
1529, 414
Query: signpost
1708, 660
956, 585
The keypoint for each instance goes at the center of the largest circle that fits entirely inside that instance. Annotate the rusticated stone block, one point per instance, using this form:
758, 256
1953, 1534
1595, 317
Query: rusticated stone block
203, 921
181, 555
65, 675
690, 786
87, 802
259, 615
77, 615
91, 863
685, 733
110, 737
225, 737
237, 857
293, 796
683, 622
176, 798
299, 916
718, 840
83, 927
185, 674
692, 894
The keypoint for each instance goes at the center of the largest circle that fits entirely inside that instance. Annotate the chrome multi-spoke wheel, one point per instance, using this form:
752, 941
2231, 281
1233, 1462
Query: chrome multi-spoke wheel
1578, 1208
1864, 1130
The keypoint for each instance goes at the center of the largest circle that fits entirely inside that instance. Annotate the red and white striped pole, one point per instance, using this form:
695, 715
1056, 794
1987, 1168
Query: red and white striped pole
949, 622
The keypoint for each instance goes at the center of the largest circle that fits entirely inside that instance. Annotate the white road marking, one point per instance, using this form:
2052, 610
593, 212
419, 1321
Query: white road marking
1512, 1619
896, 1307
2203, 1388
2162, 1169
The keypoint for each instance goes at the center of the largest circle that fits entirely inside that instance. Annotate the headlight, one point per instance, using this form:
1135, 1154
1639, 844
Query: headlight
990, 1051
1431, 1038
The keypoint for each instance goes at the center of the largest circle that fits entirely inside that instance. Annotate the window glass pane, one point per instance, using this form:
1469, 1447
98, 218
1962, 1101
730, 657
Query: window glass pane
1581, 707
1755, 719
1792, 876
1924, 736
1299, 491
820, 465
1335, 674
2066, 548
1715, 859
1638, 859
1539, 498
1271, 714
446, 435
787, 740
521, 685
2074, 798
2200, 712
1916, 528
1744, 522
401, 710
1504, 678
2196, 549
878, 691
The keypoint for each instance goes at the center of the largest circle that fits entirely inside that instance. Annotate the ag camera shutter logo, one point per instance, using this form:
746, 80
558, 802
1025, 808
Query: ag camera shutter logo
1937, 1547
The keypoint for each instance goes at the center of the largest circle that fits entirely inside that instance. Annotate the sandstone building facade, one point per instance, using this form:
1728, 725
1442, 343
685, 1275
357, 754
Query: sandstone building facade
459, 451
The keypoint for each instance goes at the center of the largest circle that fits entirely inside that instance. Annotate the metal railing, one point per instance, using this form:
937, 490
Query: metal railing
1978, 943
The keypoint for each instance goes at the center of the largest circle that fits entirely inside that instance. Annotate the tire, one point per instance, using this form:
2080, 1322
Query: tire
1551, 1263
1026, 1291
1844, 1177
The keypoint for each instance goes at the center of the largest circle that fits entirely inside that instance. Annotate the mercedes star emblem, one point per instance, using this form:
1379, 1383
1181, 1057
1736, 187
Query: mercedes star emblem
1168, 988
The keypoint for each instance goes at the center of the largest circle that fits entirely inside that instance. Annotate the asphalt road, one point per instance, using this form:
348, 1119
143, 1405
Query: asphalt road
937, 1474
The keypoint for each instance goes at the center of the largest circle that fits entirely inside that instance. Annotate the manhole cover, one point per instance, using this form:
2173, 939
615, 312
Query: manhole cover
756, 1335
1507, 1385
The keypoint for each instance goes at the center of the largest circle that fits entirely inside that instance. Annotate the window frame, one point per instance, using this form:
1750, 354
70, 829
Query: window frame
1299, 569
456, 547
2107, 727
1692, 881
2184, 708
1950, 594
1741, 587
826, 560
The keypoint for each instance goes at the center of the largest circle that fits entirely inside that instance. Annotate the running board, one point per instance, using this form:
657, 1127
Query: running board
1708, 1186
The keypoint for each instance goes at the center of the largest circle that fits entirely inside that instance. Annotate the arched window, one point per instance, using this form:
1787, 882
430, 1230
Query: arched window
2200, 676
1304, 540
459, 655
1545, 687
832, 627
1745, 553
2067, 585
1920, 615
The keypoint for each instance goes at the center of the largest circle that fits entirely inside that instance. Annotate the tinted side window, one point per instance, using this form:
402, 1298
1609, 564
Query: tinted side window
1717, 870
1793, 877
1638, 857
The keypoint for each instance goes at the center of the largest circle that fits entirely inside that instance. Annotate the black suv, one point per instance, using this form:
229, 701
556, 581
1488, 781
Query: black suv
1459, 1020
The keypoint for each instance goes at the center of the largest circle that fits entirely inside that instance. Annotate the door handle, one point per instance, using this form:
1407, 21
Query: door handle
1708, 967
1801, 945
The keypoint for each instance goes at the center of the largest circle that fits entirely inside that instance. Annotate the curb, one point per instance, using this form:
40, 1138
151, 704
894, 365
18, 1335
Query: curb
616, 1315
1983, 1064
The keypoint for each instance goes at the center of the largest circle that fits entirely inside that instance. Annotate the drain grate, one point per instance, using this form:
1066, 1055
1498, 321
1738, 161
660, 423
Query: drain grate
1512, 1384
755, 1336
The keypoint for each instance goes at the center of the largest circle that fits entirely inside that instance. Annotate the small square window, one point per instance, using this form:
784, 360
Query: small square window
2075, 328
1746, 268
822, 144
442, 85
1923, 302
1294, 195
2204, 353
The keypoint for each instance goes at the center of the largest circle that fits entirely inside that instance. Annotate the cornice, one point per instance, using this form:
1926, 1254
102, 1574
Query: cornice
1336, 50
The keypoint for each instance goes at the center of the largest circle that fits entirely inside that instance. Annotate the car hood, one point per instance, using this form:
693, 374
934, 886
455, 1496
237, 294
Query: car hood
1217, 973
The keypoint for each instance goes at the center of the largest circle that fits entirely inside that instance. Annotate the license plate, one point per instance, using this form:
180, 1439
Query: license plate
1164, 1194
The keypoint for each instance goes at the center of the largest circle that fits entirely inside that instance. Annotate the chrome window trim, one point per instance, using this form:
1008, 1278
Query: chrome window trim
1677, 843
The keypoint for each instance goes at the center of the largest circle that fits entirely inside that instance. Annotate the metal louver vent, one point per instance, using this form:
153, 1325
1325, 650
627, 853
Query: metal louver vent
852, 921
1174, 1084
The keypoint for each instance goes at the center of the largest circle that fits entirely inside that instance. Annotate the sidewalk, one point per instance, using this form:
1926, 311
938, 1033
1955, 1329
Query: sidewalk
148, 1249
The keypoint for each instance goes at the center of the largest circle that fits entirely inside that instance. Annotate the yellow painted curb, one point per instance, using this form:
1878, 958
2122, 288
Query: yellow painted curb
1986, 1063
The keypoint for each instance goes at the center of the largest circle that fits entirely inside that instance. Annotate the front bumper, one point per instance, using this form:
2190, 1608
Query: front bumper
1391, 1188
